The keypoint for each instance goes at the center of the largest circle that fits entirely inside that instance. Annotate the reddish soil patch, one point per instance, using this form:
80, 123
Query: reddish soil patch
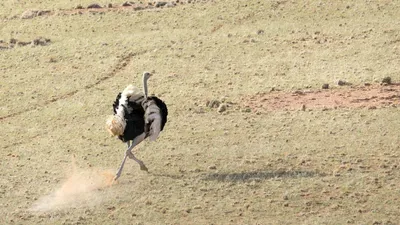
371, 97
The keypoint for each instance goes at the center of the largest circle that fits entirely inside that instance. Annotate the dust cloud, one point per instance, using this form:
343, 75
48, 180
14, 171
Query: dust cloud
82, 188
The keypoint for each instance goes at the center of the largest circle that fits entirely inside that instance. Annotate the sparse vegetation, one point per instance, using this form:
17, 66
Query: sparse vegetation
245, 165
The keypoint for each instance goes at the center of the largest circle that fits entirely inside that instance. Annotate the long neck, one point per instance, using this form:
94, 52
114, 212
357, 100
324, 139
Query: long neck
145, 86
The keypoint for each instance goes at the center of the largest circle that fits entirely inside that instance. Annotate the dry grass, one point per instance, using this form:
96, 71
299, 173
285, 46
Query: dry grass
236, 167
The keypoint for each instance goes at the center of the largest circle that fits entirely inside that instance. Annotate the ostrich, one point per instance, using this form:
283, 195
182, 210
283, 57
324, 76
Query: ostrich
136, 117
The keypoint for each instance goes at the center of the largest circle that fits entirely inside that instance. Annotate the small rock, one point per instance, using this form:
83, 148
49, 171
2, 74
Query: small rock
13, 41
372, 107
213, 104
212, 167
387, 80
259, 32
94, 6
367, 84
111, 208
127, 4
40, 41
29, 14
138, 7
109, 5
197, 207
23, 43
325, 86
79, 7
342, 83
160, 4
222, 108
170, 4
42, 12
298, 92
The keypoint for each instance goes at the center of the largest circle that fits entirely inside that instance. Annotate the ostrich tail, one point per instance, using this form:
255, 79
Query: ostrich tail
115, 125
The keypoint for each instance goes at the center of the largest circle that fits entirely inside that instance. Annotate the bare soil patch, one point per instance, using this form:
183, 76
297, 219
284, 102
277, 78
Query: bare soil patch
371, 97
214, 163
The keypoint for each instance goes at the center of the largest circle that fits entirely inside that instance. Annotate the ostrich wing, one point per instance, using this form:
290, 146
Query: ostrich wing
152, 118
130, 94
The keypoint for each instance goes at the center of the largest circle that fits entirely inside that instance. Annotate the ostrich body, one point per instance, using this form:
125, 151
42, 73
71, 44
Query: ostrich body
137, 116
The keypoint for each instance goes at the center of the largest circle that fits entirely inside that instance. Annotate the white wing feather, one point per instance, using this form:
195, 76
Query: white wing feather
130, 93
133, 93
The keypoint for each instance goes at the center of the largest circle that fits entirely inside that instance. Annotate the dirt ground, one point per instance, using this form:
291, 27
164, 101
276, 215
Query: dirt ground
280, 112
370, 97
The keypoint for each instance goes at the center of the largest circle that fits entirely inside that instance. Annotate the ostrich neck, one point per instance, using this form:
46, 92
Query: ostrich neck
145, 87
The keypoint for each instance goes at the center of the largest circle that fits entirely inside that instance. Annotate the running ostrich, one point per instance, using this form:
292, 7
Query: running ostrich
136, 117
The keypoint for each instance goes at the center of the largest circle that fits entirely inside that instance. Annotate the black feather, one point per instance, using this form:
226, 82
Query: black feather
116, 103
163, 109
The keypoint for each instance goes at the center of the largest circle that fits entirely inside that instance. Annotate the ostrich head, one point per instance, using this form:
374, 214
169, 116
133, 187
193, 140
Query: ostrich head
115, 125
146, 76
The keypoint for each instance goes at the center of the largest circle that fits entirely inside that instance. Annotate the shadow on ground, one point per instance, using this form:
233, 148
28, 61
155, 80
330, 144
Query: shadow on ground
260, 175
172, 176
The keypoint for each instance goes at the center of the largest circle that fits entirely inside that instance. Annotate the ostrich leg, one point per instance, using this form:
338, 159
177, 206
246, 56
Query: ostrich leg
129, 154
